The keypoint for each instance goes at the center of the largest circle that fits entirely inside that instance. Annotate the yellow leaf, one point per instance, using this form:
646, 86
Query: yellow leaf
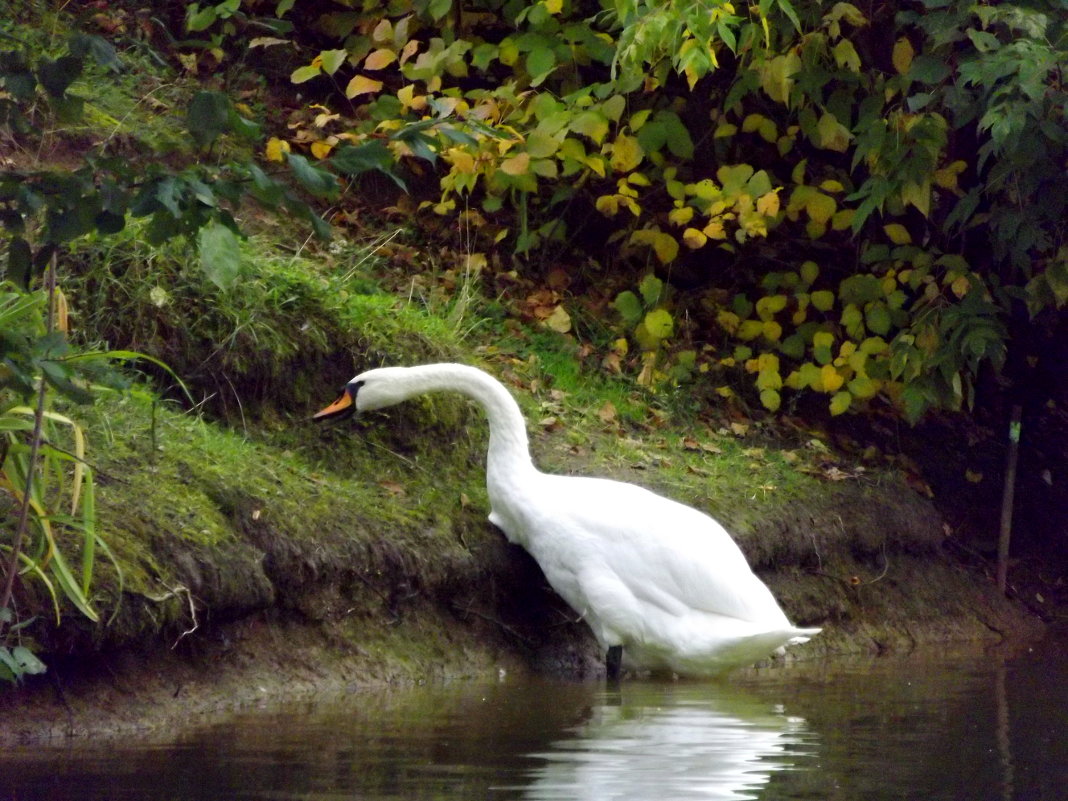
750, 329
380, 59
842, 219
321, 149
626, 153
693, 238
474, 262
518, 164
554, 6
276, 149
768, 204
559, 320
770, 399
729, 320
462, 161
768, 132
946, 177
897, 233
772, 331
902, 55
831, 185
715, 230
407, 97
665, 247
831, 134
362, 85
919, 195
681, 216
830, 379
820, 208
840, 402
409, 50
608, 205
973, 476
960, 286
383, 31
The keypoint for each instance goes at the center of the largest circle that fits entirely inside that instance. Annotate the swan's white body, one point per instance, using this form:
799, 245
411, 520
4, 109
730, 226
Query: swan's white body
659, 578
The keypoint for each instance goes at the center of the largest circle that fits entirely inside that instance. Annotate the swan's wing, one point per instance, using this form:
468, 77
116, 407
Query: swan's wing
661, 551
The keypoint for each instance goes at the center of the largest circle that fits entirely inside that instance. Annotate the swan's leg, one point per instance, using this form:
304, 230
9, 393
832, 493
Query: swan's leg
613, 662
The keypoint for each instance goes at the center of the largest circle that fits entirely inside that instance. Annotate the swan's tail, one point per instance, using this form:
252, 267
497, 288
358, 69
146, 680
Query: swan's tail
802, 635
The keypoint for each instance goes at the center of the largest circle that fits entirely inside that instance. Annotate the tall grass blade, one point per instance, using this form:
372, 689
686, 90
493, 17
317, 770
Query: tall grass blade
89, 531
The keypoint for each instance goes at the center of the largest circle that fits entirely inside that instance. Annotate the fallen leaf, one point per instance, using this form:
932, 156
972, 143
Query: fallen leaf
559, 320
607, 413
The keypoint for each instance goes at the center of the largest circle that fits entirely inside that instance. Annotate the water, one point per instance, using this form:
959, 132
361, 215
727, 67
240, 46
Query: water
970, 727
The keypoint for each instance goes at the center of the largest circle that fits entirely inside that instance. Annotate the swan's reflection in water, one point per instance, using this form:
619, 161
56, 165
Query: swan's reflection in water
682, 742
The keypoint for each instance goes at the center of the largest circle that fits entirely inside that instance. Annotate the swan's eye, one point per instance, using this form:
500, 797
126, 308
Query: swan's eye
354, 387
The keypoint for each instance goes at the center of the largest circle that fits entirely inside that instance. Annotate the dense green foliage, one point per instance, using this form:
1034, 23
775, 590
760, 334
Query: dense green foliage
903, 165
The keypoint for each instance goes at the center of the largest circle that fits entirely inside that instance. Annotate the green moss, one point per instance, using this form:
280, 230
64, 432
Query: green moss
290, 330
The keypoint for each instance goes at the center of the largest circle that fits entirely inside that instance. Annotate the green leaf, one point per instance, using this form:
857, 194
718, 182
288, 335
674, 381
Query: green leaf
629, 307
19, 262
593, 124
793, 346
877, 318
315, 179
822, 300
357, 159
659, 323
305, 73
208, 116
202, 19
676, 136
220, 254
65, 225
540, 62
652, 289
840, 401
56, 76
439, 8
332, 60
928, 69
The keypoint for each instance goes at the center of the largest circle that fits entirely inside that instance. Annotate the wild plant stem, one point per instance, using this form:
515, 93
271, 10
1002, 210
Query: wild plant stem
35, 445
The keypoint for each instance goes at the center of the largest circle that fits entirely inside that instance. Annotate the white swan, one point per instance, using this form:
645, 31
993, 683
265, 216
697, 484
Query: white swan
661, 585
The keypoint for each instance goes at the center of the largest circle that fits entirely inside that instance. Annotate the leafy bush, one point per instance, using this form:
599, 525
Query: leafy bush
887, 146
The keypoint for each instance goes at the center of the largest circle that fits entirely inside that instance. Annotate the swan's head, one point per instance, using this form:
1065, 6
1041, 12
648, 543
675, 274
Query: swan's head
374, 389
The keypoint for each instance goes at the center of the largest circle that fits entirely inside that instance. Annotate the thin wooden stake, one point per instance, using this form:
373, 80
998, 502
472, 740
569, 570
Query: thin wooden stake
1007, 496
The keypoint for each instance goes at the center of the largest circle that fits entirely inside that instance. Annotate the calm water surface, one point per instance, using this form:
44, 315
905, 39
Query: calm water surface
964, 728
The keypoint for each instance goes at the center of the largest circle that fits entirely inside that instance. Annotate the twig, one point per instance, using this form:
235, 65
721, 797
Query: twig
1007, 496
503, 626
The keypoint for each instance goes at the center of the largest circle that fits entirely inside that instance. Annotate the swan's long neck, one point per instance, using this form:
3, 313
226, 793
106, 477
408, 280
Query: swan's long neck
509, 450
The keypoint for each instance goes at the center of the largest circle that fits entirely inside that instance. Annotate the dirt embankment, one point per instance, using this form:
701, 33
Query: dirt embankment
299, 615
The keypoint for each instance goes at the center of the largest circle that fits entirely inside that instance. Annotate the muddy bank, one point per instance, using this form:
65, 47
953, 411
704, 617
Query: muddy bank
305, 616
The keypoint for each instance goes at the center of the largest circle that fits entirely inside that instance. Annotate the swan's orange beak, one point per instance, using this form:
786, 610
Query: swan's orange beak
342, 407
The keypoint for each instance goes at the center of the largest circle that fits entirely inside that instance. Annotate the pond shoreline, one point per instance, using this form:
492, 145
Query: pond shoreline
154, 692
